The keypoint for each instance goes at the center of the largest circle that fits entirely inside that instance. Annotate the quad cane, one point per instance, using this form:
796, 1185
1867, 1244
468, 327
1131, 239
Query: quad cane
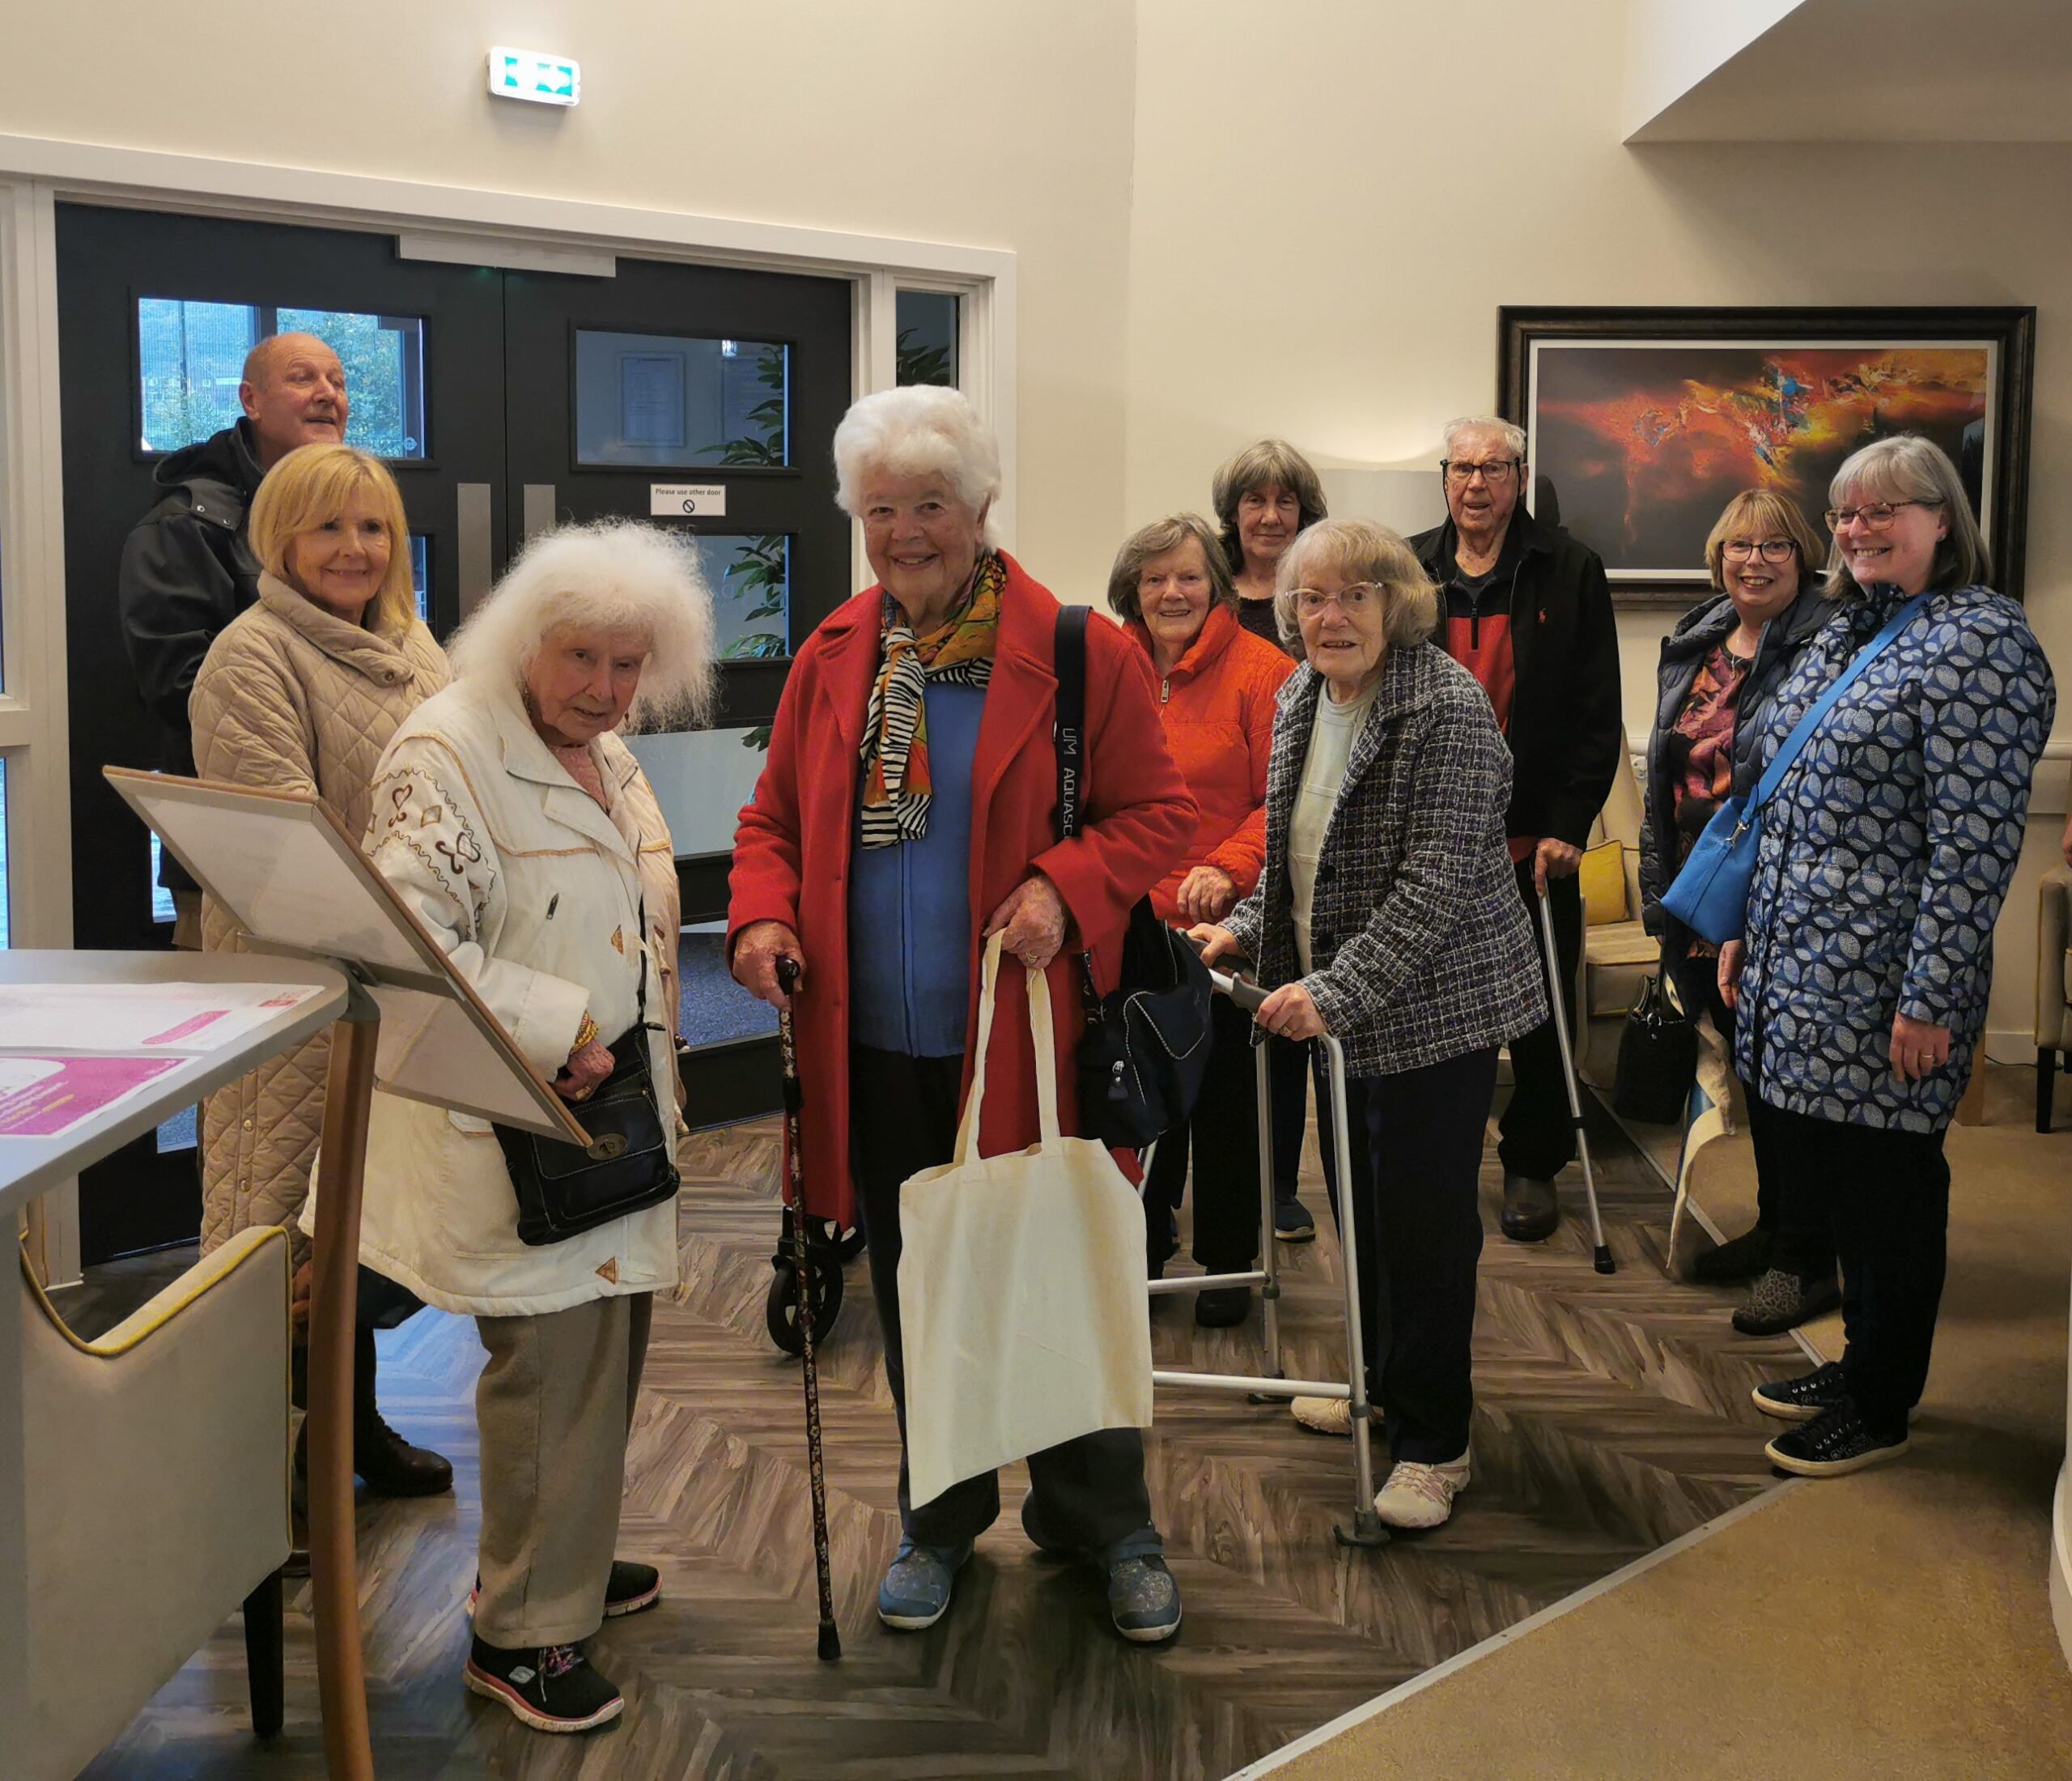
830, 1640
1604, 1263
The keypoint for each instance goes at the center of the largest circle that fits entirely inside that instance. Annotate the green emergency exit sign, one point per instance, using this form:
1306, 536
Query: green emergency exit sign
540, 79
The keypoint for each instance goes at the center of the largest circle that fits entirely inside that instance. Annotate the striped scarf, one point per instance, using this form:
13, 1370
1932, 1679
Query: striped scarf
958, 652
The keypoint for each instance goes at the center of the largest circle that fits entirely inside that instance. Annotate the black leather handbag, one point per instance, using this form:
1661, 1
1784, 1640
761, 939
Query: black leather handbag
1145, 1052
630, 1164
1657, 1061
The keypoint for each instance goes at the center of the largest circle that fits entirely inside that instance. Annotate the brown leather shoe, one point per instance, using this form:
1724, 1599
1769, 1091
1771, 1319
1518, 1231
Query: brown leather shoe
1531, 1210
391, 1466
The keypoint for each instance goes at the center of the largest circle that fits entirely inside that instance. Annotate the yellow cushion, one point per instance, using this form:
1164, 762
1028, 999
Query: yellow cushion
1604, 885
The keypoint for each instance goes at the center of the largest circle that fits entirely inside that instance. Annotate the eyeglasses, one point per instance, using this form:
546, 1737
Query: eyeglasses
1356, 601
1497, 470
1770, 550
1874, 515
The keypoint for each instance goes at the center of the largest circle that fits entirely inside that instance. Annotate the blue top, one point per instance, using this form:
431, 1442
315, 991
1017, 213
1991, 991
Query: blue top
909, 906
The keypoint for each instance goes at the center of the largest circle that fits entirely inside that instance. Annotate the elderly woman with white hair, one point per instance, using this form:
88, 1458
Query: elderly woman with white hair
909, 811
1386, 917
519, 826
1882, 859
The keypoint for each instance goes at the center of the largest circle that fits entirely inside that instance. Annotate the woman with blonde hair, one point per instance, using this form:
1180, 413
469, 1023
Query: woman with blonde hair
1388, 916
301, 693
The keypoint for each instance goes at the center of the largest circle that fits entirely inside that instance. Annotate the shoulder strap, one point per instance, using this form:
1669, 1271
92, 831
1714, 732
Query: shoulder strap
1069, 659
1816, 713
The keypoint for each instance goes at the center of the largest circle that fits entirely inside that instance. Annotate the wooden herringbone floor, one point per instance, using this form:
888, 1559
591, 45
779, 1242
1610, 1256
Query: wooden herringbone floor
1612, 1416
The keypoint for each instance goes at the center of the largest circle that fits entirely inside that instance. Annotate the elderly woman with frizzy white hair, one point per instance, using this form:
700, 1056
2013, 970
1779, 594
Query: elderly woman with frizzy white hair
907, 813
519, 826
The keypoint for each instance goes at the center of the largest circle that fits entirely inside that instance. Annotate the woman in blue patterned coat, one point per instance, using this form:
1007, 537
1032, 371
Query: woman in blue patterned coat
1884, 860
1388, 916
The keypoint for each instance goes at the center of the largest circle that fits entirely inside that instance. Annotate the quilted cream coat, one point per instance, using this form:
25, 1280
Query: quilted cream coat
537, 895
290, 698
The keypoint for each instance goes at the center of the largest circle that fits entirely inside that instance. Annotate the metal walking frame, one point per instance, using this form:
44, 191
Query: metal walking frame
1365, 1528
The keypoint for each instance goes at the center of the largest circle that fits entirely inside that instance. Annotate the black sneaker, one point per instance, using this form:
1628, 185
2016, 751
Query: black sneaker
552, 1688
1801, 1400
1738, 1258
1218, 1308
1834, 1443
632, 1587
1291, 1222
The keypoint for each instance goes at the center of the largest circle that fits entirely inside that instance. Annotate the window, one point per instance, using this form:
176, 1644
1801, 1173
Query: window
3, 852
751, 577
420, 573
927, 342
675, 401
190, 358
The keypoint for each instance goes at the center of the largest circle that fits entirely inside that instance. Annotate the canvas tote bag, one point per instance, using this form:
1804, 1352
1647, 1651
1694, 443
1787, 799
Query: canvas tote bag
1023, 1302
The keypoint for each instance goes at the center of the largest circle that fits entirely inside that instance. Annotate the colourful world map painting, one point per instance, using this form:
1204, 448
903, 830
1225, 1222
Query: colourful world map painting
1642, 445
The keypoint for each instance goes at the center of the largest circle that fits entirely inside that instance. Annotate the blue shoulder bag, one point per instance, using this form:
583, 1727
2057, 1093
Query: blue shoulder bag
1710, 894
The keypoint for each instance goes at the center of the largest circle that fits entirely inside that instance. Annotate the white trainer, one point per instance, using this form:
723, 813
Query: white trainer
1326, 1415
1420, 1496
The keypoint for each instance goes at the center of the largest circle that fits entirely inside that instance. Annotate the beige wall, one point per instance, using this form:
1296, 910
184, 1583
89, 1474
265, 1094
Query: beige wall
1314, 254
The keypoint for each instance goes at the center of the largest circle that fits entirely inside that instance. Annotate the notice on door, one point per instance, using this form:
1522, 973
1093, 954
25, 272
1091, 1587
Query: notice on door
687, 501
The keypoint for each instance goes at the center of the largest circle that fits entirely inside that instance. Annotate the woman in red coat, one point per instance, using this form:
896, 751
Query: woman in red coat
1217, 684
908, 811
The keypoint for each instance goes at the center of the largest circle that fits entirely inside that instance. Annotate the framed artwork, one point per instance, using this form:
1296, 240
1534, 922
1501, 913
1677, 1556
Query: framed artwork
1641, 424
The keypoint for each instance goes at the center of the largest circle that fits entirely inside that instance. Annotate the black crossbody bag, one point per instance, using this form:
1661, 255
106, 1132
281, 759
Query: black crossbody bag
1145, 1050
630, 1164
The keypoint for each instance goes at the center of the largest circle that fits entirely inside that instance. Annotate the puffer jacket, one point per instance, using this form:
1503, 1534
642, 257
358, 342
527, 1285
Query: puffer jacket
1419, 946
1698, 633
290, 698
1217, 706
1886, 853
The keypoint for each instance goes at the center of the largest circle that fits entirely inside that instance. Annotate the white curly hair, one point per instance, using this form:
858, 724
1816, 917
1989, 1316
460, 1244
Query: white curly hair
612, 574
917, 430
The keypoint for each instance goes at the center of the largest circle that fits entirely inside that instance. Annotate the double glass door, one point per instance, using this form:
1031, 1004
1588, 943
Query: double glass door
505, 403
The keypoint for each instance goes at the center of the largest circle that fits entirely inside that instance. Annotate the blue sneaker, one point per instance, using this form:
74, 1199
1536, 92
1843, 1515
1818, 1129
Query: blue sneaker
915, 1592
1144, 1599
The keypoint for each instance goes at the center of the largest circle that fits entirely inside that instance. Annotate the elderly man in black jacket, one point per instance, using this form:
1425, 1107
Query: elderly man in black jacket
186, 571
1528, 612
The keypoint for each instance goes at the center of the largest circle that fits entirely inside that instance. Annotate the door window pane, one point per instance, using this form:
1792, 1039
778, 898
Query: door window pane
669, 401
927, 343
751, 577
191, 358
420, 573
3, 852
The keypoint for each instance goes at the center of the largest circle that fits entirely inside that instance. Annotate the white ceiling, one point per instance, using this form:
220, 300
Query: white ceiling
1887, 70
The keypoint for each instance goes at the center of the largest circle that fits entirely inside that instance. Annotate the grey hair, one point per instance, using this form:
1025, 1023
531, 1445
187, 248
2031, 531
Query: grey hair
1908, 467
921, 430
1513, 437
1155, 540
612, 574
1361, 550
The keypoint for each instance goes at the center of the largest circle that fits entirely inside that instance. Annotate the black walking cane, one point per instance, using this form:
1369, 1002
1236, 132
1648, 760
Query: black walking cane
830, 1641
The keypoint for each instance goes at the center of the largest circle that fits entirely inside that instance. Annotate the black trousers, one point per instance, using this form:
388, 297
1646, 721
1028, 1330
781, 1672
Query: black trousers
1288, 1078
1088, 1493
1223, 1137
1888, 1197
1416, 1142
1794, 1210
1536, 1137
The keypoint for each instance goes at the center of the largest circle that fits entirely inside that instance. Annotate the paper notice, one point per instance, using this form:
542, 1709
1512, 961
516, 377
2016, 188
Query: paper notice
44, 1097
185, 1018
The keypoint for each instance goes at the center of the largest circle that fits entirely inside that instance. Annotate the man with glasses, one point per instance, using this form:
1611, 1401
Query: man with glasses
1528, 613
186, 571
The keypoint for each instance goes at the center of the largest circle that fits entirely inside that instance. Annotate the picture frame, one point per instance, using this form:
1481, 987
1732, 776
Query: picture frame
1641, 424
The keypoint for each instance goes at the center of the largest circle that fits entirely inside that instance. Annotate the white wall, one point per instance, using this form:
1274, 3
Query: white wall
1322, 251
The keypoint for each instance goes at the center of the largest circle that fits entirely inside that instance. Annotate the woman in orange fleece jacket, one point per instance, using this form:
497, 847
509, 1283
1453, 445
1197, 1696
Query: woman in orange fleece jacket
1217, 687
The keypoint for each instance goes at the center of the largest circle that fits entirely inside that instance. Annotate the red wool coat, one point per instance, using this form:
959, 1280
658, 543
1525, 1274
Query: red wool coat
791, 849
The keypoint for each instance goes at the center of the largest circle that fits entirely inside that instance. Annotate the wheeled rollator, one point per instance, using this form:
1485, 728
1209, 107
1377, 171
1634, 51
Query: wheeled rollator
1365, 1528
829, 1246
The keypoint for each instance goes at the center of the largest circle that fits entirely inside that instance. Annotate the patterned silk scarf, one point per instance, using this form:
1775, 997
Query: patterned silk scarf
958, 652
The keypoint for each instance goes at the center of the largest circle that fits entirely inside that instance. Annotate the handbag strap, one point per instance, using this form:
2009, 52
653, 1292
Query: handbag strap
1816, 713
1069, 662
1046, 1057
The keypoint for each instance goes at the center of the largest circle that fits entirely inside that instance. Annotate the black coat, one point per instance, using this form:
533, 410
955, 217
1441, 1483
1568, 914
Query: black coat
187, 571
1697, 634
1564, 727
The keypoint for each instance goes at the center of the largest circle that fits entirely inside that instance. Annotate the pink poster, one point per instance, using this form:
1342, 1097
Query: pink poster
42, 1097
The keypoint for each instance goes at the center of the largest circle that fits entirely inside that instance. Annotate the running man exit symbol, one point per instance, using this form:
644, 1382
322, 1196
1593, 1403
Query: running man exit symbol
528, 75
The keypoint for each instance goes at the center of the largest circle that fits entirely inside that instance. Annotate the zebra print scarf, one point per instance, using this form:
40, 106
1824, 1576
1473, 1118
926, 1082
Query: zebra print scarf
958, 652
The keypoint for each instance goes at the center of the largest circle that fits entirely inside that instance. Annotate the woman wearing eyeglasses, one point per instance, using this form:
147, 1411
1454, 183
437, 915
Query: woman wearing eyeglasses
1721, 668
1860, 986
1387, 916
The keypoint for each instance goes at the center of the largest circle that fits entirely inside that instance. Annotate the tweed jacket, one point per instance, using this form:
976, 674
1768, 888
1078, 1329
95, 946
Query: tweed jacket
1886, 853
1420, 947
290, 698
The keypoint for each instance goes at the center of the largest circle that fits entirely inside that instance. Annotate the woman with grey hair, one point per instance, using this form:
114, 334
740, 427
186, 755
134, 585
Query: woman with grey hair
1217, 687
519, 827
1387, 917
1861, 984
907, 813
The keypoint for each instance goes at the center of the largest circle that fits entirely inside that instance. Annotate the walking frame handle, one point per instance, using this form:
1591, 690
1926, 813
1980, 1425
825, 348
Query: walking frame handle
1242, 991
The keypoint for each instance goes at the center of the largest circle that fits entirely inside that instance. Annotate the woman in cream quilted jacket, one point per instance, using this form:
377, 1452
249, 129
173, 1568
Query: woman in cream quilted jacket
301, 693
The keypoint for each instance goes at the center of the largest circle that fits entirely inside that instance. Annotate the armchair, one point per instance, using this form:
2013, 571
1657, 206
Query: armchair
156, 1496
